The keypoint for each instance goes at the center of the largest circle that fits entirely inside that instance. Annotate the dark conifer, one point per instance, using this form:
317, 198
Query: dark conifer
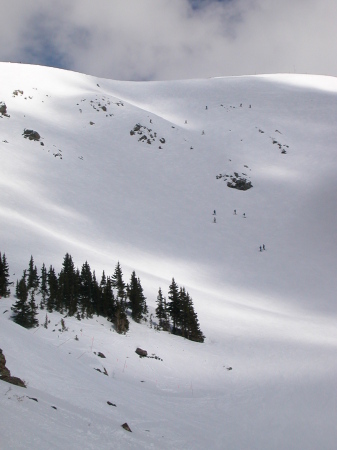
4, 277
121, 321
174, 305
52, 301
24, 310
43, 286
161, 311
108, 299
137, 299
68, 282
118, 283
184, 311
103, 280
33, 278
190, 323
101, 308
86, 287
195, 334
96, 296
32, 314
20, 308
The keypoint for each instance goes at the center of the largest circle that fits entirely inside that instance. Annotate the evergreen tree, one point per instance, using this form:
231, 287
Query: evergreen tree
96, 296
24, 311
101, 307
184, 311
20, 308
4, 277
33, 278
43, 286
166, 323
174, 305
189, 323
121, 321
68, 283
32, 314
194, 332
137, 299
52, 294
108, 300
108, 303
161, 311
86, 287
103, 281
76, 288
118, 283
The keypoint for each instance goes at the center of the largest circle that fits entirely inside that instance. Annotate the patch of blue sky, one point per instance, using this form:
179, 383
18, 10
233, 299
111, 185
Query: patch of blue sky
198, 4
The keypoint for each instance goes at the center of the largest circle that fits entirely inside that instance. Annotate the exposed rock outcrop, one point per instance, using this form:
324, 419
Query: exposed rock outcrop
126, 427
242, 184
3, 108
141, 352
5, 374
31, 135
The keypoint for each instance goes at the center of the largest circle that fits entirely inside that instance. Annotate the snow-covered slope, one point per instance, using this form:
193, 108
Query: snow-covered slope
94, 190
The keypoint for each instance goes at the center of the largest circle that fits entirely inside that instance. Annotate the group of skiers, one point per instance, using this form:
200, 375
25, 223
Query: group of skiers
262, 247
214, 214
243, 215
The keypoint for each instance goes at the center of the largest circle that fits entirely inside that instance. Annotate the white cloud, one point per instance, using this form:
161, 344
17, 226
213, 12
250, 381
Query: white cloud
166, 39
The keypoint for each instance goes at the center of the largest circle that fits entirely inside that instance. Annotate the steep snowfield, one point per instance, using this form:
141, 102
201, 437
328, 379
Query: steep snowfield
95, 191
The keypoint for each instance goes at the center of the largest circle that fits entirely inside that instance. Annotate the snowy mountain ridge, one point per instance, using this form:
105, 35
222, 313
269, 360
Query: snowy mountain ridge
133, 172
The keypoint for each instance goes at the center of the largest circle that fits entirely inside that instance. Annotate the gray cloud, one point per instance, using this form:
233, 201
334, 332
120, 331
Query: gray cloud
170, 39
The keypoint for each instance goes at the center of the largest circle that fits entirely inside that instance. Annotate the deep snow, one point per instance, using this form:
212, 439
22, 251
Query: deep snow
270, 315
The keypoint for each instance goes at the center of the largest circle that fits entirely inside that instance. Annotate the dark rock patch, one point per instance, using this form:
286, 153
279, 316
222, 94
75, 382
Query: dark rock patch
142, 353
31, 135
3, 108
242, 184
126, 427
5, 374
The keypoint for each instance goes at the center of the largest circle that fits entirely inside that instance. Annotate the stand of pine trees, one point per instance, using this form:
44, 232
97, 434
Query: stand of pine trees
77, 293
25, 308
180, 311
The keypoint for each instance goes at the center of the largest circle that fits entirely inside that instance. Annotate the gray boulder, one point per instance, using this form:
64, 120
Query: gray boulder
141, 352
31, 135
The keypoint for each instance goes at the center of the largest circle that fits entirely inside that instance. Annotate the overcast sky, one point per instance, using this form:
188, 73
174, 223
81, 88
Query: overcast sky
172, 39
